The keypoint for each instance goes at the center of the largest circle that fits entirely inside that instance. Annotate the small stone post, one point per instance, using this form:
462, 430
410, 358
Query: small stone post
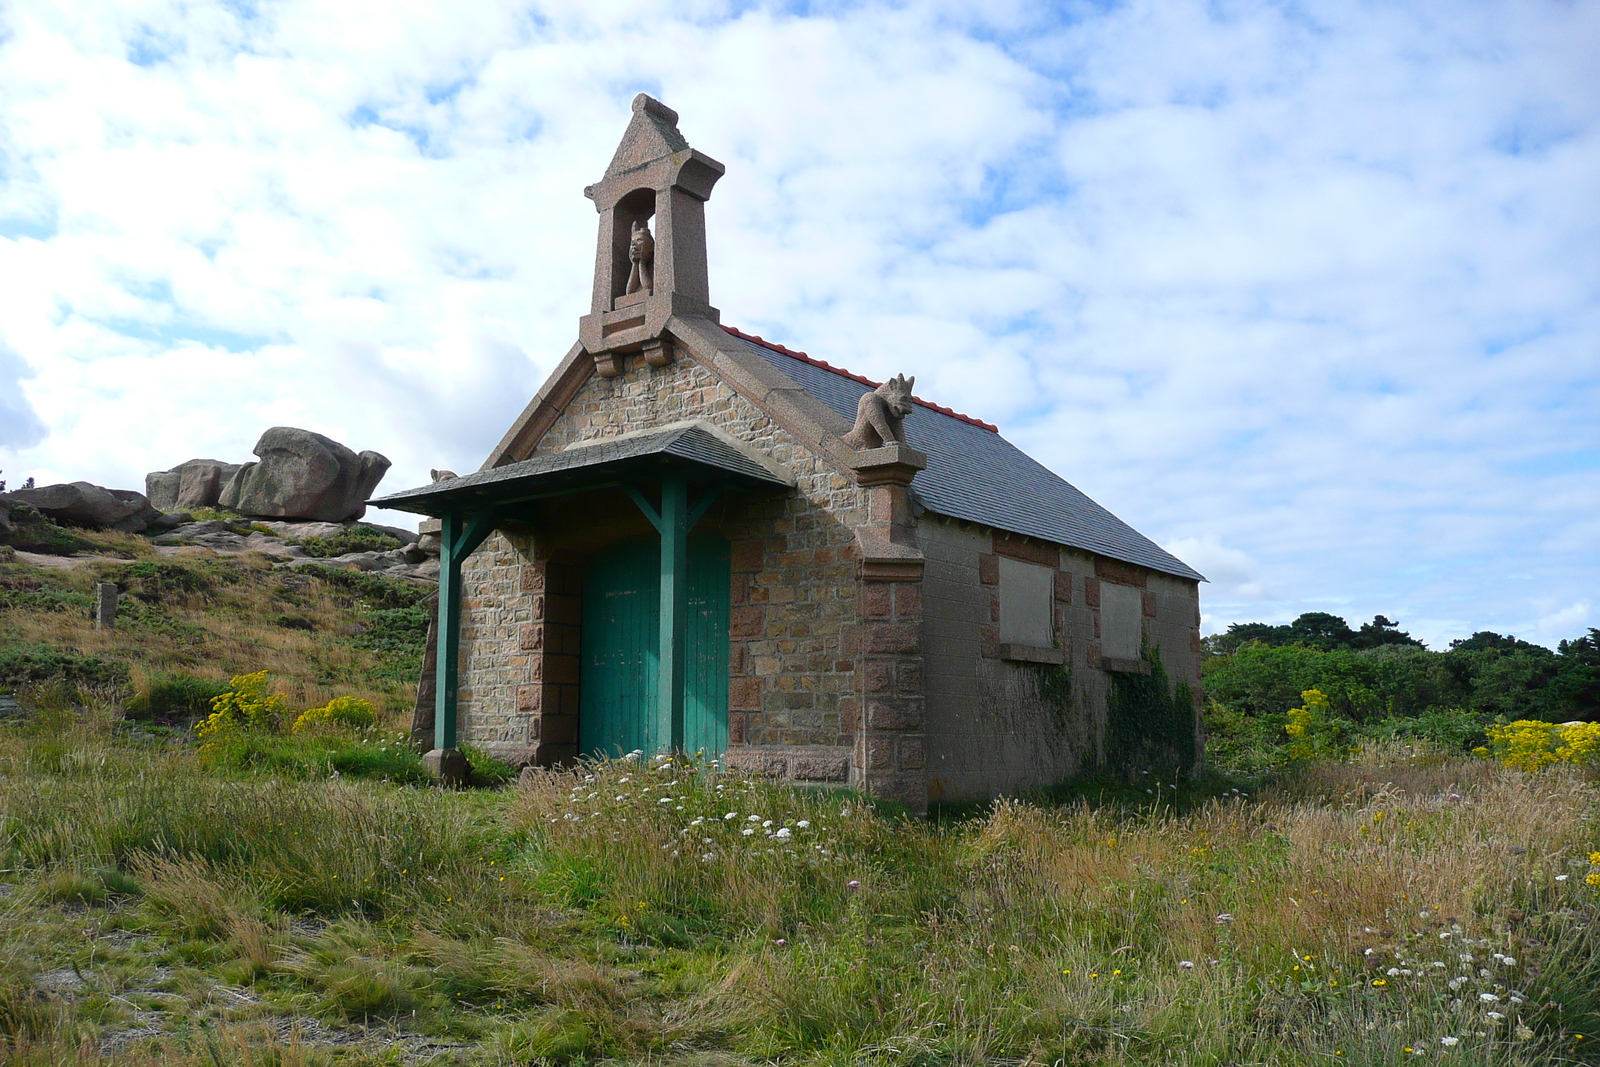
105, 606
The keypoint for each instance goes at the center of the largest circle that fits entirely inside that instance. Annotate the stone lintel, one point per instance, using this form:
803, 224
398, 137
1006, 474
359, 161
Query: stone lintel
1032, 653
1124, 666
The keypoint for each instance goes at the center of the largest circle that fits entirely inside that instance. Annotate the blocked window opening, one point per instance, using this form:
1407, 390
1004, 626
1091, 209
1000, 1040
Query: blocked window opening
1121, 615
1027, 593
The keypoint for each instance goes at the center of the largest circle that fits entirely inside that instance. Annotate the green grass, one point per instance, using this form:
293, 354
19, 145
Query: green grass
616, 913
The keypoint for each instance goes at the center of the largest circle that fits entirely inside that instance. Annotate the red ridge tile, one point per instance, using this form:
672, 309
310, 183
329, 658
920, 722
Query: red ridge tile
802, 357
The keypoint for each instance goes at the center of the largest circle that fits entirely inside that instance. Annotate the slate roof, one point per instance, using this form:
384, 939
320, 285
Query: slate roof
975, 474
632, 456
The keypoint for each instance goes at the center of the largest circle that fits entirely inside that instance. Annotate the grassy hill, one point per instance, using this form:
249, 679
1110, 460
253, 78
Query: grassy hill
304, 898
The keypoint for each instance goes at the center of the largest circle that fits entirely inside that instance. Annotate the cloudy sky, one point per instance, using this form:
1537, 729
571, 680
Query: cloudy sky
1307, 292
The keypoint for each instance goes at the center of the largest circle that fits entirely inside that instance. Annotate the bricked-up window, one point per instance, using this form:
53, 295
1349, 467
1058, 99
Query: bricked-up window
1121, 612
1026, 595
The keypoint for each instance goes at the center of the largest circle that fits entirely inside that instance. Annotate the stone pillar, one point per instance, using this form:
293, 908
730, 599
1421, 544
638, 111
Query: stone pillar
105, 606
550, 699
889, 760
889, 746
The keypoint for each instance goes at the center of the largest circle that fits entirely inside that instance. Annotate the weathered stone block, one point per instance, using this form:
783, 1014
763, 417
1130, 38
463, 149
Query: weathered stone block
896, 715
744, 694
893, 637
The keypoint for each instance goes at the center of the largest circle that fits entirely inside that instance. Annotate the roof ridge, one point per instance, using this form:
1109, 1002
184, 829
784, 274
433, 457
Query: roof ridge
823, 365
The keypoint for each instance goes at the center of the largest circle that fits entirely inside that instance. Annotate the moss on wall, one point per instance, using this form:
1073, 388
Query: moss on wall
1150, 724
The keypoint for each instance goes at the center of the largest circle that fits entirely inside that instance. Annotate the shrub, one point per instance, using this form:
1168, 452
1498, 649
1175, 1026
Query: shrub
1312, 728
1532, 745
378, 591
346, 712
169, 693
158, 581
245, 706
350, 539
34, 664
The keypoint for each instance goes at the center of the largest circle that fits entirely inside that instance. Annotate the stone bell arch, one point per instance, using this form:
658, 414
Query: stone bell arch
643, 278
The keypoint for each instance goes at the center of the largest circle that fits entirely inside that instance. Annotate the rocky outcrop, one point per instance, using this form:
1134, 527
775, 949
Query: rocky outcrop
194, 483
304, 475
84, 504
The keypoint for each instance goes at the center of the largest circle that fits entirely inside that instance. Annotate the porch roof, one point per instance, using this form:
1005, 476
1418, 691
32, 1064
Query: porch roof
693, 450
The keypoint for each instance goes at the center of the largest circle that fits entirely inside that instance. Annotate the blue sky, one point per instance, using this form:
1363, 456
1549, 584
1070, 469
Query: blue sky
1307, 292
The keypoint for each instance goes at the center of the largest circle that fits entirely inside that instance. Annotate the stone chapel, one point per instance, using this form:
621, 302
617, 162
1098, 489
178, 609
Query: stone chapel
693, 539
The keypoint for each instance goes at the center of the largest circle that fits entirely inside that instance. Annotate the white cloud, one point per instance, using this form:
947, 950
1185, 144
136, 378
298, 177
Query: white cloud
1306, 291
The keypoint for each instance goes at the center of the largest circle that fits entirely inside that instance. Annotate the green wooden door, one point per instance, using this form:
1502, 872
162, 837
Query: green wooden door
621, 643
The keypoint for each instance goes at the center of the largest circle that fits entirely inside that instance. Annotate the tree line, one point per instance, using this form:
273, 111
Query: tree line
1383, 683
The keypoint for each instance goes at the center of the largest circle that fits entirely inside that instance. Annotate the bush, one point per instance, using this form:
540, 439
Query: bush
173, 693
340, 712
378, 591
1532, 745
350, 539
35, 664
245, 706
157, 581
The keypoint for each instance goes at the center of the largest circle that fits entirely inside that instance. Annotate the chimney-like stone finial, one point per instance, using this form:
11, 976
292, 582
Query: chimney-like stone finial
641, 279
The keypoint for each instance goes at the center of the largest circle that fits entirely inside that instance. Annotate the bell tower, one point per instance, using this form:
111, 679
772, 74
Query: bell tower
650, 259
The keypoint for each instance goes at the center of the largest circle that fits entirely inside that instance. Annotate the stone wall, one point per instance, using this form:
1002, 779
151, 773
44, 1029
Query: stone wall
997, 725
795, 617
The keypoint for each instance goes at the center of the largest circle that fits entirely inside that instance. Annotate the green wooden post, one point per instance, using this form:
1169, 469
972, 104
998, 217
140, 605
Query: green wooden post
449, 649
674, 528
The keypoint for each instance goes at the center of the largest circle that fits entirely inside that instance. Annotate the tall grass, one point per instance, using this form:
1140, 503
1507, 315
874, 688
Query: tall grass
634, 910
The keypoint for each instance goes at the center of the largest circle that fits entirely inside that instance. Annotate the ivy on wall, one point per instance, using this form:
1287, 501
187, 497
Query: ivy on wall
1150, 724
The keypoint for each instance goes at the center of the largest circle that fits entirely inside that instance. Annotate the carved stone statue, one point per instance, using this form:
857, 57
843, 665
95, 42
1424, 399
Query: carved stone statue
880, 413
642, 254
442, 476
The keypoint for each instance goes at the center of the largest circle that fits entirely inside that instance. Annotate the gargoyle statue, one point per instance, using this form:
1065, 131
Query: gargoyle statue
642, 254
880, 413
442, 476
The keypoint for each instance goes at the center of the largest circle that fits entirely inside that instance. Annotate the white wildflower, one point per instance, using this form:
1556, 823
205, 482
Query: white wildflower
1186, 965
1465, 957
1494, 1015
664, 800
1225, 917
730, 816
705, 840
1457, 983
1393, 972
804, 824
1561, 878
748, 830
782, 833
624, 780
766, 823
1445, 935
752, 818
1489, 998
1449, 1042
1508, 961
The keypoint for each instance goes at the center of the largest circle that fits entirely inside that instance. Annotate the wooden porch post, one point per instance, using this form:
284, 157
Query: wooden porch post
673, 522
458, 539
674, 606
